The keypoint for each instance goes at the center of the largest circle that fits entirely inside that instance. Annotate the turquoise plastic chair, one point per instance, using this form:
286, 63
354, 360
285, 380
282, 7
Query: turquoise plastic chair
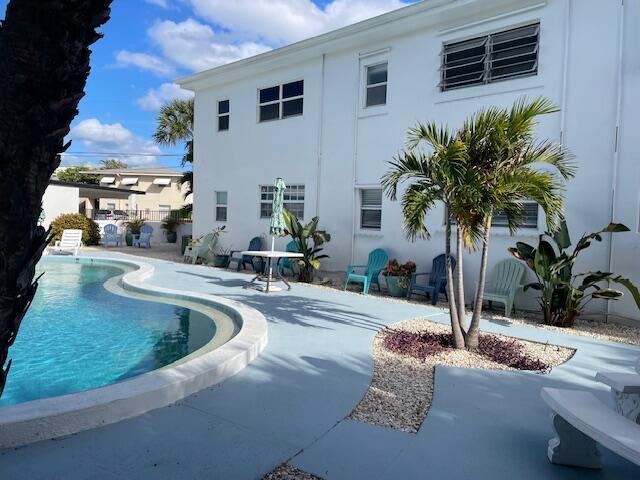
289, 263
143, 239
242, 261
437, 281
378, 259
504, 284
111, 235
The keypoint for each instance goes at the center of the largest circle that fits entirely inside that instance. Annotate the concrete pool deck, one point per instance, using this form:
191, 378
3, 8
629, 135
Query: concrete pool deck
290, 403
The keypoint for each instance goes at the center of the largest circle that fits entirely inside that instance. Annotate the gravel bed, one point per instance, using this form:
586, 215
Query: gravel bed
401, 391
287, 472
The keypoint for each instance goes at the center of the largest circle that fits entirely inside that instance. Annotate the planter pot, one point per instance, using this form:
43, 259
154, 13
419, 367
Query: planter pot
128, 238
221, 261
397, 286
172, 237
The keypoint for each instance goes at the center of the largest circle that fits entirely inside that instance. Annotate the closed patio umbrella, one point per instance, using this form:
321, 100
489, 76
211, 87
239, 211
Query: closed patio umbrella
277, 226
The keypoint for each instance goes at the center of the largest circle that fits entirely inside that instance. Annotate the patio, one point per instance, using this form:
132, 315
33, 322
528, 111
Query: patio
290, 404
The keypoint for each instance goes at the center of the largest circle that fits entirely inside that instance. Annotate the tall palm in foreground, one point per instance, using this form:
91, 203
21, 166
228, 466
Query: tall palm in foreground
513, 166
175, 125
44, 64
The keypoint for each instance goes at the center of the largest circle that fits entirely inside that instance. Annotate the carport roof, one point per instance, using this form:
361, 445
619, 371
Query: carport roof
91, 190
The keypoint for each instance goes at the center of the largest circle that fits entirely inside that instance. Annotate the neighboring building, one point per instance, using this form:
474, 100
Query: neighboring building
162, 192
327, 113
67, 197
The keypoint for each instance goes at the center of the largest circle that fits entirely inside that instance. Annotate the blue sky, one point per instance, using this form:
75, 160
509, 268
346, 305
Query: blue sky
147, 44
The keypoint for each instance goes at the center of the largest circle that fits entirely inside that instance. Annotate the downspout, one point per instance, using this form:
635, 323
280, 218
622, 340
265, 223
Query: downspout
354, 191
320, 130
565, 70
616, 149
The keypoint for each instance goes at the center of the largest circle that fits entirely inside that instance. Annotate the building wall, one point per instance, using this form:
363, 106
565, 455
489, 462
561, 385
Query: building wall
58, 200
338, 146
154, 197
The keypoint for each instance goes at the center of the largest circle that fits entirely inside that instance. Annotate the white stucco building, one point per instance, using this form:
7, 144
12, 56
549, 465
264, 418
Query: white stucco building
327, 113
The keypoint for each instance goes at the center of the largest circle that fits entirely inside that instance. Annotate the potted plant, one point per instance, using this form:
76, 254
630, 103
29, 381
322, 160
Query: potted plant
398, 277
170, 225
133, 228
221, 257
310, 239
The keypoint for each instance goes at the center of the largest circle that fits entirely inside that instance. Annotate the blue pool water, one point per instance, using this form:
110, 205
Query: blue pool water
77, 335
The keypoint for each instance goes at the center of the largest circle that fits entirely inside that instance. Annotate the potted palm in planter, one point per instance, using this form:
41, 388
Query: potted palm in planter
170, 225
398, 276
133, 228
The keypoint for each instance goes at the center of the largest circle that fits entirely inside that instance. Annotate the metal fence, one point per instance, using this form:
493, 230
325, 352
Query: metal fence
147, 215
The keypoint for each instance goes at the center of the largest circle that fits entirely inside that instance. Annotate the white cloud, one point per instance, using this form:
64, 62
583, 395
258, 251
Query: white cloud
195, 46
156, 97
159, 3
143, 61
283, 21
96, 136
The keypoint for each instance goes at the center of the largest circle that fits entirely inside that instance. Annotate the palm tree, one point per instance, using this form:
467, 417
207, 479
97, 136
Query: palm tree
438, 174
44, 64
513, 167
175, 124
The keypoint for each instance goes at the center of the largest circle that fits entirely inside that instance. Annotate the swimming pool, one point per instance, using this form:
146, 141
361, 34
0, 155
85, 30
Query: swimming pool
81, 333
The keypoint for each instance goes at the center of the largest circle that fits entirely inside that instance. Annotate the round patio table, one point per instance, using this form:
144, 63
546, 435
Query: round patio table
269, 277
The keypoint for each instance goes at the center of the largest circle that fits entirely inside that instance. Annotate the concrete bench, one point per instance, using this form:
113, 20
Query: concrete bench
625, 389
580, 420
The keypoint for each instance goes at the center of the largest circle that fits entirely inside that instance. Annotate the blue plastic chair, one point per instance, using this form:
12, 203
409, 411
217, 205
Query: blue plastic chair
289, 263
111, 235
437, 281
242, 261
143, 239
378, 259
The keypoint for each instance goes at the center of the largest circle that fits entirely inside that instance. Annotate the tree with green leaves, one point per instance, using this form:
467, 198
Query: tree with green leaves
76, 175
44, 64
492, 163
112, 163
175, 125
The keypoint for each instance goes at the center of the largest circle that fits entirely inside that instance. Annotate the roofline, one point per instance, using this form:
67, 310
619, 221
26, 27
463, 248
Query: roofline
339, 34
131, 173
94, 187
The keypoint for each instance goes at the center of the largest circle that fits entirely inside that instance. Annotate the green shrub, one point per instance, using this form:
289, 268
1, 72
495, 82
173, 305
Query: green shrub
67, 221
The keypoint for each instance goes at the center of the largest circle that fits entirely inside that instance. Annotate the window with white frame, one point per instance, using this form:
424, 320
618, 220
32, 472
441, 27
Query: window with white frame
530, 211
490, 58
223, 115
293, 200
376, 84
281, 101
371, 208
164, 208
221, 206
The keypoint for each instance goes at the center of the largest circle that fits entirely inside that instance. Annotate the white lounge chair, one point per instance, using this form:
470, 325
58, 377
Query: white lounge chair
580, 420
69, 244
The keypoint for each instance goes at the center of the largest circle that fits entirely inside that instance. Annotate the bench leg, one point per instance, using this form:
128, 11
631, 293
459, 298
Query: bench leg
572, 447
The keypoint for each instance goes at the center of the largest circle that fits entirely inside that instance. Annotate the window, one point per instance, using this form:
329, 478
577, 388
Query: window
371, 208
164, 208
282, 101
223, 115
221, 206
376, 88
111, 206
530, 219
495, 57
293, 200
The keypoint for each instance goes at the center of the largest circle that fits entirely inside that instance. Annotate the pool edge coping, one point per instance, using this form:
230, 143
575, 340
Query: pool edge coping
62, 415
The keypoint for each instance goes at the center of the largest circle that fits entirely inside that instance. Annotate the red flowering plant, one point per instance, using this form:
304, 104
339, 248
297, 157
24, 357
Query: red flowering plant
402, 270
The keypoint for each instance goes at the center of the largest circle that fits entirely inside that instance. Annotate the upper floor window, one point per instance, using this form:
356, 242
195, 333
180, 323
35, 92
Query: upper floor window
491, 58
223, 115
293, 200
281, 101
376, 88
371, 208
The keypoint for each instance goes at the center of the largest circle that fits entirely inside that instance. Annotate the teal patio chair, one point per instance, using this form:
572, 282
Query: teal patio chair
143, 239
436, 282
111, 236
504, 284
289, 263
378, 259
256, 243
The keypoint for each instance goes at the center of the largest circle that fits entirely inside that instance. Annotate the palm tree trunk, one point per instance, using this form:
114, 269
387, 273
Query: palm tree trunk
44, 64
471, 338
462, 314
458, 336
